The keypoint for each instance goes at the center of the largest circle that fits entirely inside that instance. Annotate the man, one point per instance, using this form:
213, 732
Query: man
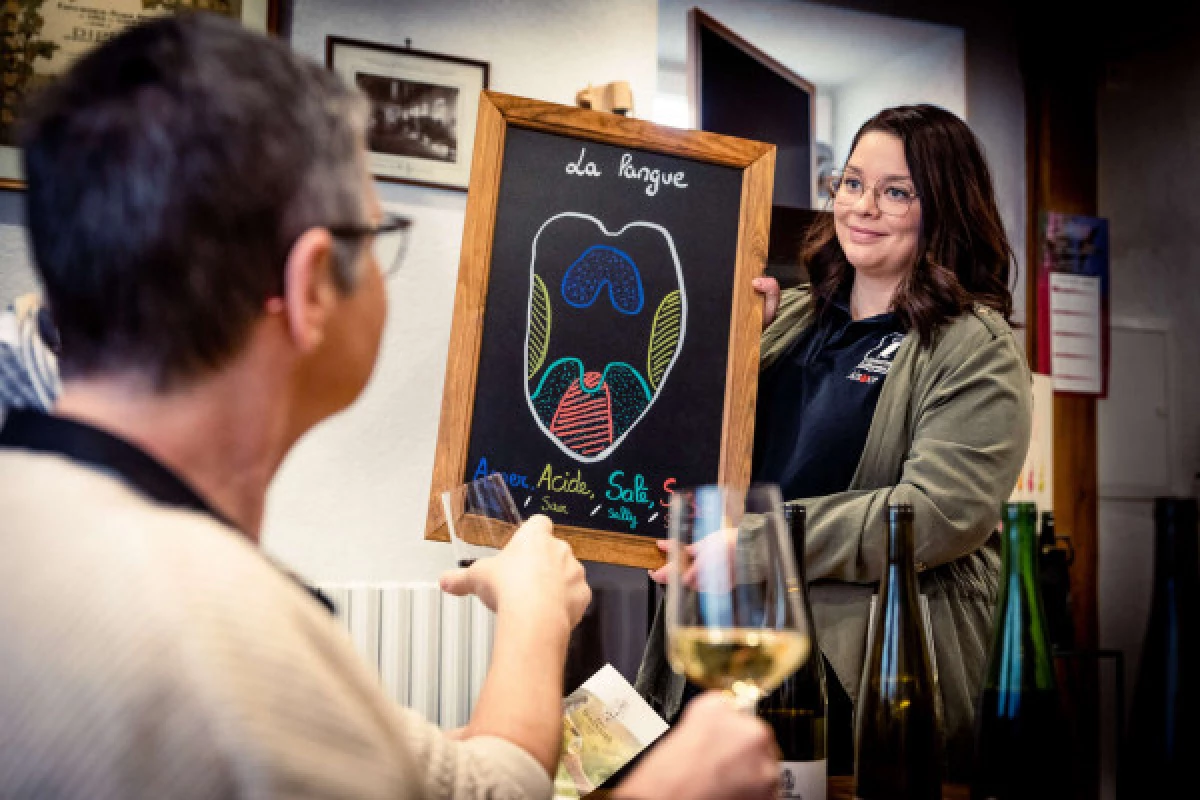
201, 219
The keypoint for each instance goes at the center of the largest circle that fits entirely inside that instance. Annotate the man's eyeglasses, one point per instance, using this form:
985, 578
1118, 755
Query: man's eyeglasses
390, 240
893, 199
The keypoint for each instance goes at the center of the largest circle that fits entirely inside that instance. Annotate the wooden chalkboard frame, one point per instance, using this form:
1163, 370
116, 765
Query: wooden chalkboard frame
497, 113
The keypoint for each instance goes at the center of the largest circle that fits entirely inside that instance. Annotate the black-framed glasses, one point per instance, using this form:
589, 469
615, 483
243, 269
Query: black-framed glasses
892, 197
390, 239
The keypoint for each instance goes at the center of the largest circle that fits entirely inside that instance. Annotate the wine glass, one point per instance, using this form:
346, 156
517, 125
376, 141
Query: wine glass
481, 517
735, 618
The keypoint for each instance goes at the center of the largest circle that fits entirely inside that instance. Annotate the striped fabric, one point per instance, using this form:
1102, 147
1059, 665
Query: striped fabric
28, 367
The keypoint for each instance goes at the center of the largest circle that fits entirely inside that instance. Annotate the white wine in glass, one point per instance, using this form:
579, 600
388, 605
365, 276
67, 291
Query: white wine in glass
735, 615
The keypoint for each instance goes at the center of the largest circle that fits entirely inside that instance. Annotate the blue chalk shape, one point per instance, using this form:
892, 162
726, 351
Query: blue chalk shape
600, 266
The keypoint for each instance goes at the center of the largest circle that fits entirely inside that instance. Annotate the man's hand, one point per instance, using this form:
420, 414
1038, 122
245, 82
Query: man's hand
535, 572
769, 289
715, 752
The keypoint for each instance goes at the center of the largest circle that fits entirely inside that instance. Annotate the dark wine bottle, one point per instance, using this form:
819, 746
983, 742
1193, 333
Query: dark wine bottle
897, 738
1021, 738
796, 711
1054, 578
1164, 723
1048, 535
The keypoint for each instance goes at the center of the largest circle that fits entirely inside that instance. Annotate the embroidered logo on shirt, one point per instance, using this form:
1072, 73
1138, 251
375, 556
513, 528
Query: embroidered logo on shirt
877, 361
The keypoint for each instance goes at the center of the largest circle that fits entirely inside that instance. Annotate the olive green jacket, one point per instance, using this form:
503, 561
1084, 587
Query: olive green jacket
949, 436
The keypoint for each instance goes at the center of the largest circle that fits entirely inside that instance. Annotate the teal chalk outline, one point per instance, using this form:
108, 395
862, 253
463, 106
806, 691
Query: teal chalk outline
604, 377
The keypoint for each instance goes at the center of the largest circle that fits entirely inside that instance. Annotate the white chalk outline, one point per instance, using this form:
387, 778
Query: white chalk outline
529, 310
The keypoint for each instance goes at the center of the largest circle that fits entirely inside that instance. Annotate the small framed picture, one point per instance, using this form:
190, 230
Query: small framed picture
40, 40
423, 109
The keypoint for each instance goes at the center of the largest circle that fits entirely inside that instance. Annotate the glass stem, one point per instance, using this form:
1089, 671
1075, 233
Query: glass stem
745, 700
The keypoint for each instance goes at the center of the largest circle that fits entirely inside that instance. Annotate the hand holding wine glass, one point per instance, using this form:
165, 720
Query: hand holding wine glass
535, 572
717, 546
734, 617
713, 753
481, 517
769, 289
498, 555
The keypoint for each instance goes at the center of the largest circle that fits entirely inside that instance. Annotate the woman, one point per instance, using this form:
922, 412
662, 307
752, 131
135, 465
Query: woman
894, 377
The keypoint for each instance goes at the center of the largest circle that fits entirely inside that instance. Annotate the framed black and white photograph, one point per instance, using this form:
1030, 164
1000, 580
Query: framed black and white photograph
40, 39
423, 109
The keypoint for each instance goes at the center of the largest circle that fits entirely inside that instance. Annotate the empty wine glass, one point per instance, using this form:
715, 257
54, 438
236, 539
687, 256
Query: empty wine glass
481, 517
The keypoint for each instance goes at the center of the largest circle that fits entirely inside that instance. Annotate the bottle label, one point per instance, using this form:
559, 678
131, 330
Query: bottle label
802, 780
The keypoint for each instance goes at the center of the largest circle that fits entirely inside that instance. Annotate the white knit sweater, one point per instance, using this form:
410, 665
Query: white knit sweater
150, 652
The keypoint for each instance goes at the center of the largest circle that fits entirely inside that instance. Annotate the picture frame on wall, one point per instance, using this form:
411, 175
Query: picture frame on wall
39, 41
424, 107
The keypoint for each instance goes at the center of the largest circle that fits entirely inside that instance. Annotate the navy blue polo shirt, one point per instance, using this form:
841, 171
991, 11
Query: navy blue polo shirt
815, 404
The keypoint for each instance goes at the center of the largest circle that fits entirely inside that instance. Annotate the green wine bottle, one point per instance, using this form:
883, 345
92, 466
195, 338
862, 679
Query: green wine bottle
1021, 739
897, 740
796, 711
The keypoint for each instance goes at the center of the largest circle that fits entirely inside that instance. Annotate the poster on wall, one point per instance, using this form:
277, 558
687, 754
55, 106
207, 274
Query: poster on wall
1073, 305
1035, 484
39, 40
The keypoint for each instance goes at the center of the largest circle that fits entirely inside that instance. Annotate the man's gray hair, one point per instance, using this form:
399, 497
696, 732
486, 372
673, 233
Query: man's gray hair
170, 172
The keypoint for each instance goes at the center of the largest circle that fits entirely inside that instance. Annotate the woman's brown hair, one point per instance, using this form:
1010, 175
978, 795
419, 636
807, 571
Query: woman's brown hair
964, 256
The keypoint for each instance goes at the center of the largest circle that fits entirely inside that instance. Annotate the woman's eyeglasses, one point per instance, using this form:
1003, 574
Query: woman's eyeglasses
892, 199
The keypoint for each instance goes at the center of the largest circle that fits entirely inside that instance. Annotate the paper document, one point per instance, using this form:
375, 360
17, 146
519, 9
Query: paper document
1077, 334
605, 724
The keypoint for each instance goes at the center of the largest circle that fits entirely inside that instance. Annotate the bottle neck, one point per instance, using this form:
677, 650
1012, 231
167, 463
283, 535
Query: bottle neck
1020, 552
1048, 535
795, 521
1022, 656
1175, 544
901, 573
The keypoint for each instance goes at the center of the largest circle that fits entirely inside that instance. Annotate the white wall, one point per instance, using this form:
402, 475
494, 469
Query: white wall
935, 73
350, 501
537, 49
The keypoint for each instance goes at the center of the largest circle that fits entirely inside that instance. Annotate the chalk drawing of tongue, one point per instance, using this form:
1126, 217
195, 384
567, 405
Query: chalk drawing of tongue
595, 357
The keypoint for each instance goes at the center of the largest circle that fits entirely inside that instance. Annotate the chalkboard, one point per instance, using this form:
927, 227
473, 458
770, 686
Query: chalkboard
604, 345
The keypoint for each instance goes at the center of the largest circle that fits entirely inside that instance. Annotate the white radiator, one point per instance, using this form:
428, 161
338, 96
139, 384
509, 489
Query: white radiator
431, 650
